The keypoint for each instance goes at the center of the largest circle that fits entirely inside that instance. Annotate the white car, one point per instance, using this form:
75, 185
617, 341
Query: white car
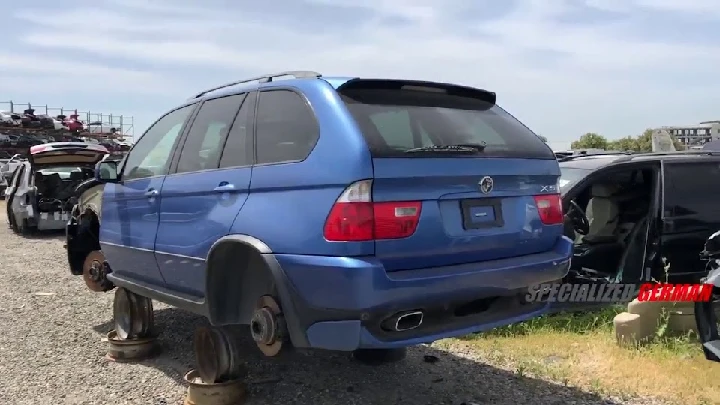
41, 190
10, 119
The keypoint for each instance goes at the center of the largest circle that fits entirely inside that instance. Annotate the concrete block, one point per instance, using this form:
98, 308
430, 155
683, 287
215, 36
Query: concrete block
629, 329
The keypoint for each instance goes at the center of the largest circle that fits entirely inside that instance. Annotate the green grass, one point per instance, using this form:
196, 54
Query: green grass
579, 349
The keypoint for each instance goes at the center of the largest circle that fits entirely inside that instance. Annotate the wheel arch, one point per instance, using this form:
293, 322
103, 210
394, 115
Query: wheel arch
82, 236
240, 269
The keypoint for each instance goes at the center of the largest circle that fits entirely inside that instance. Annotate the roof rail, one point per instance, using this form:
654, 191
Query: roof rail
297, 74
583, 155
674, 153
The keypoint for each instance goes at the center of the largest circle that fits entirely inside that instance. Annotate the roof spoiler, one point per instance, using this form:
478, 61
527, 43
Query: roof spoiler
419, 85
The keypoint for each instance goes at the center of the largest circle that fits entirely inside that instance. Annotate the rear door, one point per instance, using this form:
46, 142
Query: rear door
690, 215
200, 199
130, 207
478, 203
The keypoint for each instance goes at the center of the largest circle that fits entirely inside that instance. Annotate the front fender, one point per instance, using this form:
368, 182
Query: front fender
90, 197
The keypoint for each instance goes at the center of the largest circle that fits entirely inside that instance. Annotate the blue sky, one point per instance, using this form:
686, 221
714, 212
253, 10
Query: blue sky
563, 67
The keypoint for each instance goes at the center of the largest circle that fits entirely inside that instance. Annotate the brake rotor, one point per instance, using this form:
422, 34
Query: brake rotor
267, 304
94, 272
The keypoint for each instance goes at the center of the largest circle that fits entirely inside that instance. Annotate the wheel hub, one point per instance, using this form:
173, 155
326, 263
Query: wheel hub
267, 326
95, 271
263, 327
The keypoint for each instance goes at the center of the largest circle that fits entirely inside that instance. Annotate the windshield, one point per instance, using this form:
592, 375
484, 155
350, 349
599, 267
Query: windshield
569, 176
63, 171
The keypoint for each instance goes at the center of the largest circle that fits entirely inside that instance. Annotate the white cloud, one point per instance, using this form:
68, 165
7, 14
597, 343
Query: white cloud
584, 73
23, 72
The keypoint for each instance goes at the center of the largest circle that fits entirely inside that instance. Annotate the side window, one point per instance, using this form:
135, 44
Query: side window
286, 127
151, 154
687, 186
205, 139
236, 151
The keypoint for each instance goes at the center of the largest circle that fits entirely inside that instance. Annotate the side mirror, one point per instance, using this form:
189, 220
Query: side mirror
106, 172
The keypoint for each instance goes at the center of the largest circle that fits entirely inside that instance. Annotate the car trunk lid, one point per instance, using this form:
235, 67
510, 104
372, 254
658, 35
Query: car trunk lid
66, 153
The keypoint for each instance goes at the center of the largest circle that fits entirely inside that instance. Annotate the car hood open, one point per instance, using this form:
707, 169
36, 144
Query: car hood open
66, 153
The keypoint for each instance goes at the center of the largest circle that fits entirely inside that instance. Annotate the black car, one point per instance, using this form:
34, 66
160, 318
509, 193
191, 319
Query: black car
631, 214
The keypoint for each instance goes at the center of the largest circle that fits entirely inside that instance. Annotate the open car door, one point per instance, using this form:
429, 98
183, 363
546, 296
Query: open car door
640, 258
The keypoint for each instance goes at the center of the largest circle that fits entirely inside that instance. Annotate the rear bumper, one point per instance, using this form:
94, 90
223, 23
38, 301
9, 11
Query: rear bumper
340, 302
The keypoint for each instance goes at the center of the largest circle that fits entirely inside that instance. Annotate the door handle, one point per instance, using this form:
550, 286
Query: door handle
151, 193
225, 188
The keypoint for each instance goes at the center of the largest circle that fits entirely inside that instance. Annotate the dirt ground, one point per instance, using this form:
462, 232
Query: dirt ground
51, 328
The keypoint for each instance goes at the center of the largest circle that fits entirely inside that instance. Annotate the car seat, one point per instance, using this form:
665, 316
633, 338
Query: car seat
40, 183
602, 213
53, 184
77, 176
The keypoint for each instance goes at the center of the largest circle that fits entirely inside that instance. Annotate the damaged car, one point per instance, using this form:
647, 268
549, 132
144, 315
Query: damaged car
638, 218
43, 189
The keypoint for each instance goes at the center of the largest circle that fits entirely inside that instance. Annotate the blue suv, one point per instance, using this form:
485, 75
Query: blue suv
338, 213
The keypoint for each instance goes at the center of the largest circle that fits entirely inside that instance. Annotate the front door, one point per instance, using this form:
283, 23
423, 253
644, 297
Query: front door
204, 193
130, 208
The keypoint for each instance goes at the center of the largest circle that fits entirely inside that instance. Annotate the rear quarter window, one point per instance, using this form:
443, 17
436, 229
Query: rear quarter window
394, 120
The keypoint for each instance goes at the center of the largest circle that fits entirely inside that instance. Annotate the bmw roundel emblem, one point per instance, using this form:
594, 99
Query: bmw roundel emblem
486, 184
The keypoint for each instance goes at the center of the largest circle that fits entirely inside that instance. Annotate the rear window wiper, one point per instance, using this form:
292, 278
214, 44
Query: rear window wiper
462, 148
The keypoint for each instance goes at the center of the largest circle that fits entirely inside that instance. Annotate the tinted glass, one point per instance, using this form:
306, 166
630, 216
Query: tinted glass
569, 176
689, 188
236, 151
205, 139
395, 120
152, 152
286, 127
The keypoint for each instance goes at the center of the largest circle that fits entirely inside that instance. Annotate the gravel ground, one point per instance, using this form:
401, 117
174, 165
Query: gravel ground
51, 353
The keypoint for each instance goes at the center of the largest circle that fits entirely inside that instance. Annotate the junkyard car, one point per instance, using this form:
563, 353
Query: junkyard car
41, 192
348, 214
630, 213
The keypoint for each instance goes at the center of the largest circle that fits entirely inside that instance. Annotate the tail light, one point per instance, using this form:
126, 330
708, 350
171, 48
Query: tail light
355, 217
549, 208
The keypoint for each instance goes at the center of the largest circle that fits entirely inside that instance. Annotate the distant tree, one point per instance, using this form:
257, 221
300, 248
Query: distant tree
627, 143
644, 141
542, 138
590, 140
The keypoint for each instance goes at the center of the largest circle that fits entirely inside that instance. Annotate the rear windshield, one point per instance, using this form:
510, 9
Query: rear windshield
394, 121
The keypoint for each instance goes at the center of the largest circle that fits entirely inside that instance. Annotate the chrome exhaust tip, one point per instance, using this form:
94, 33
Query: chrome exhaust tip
408, 321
